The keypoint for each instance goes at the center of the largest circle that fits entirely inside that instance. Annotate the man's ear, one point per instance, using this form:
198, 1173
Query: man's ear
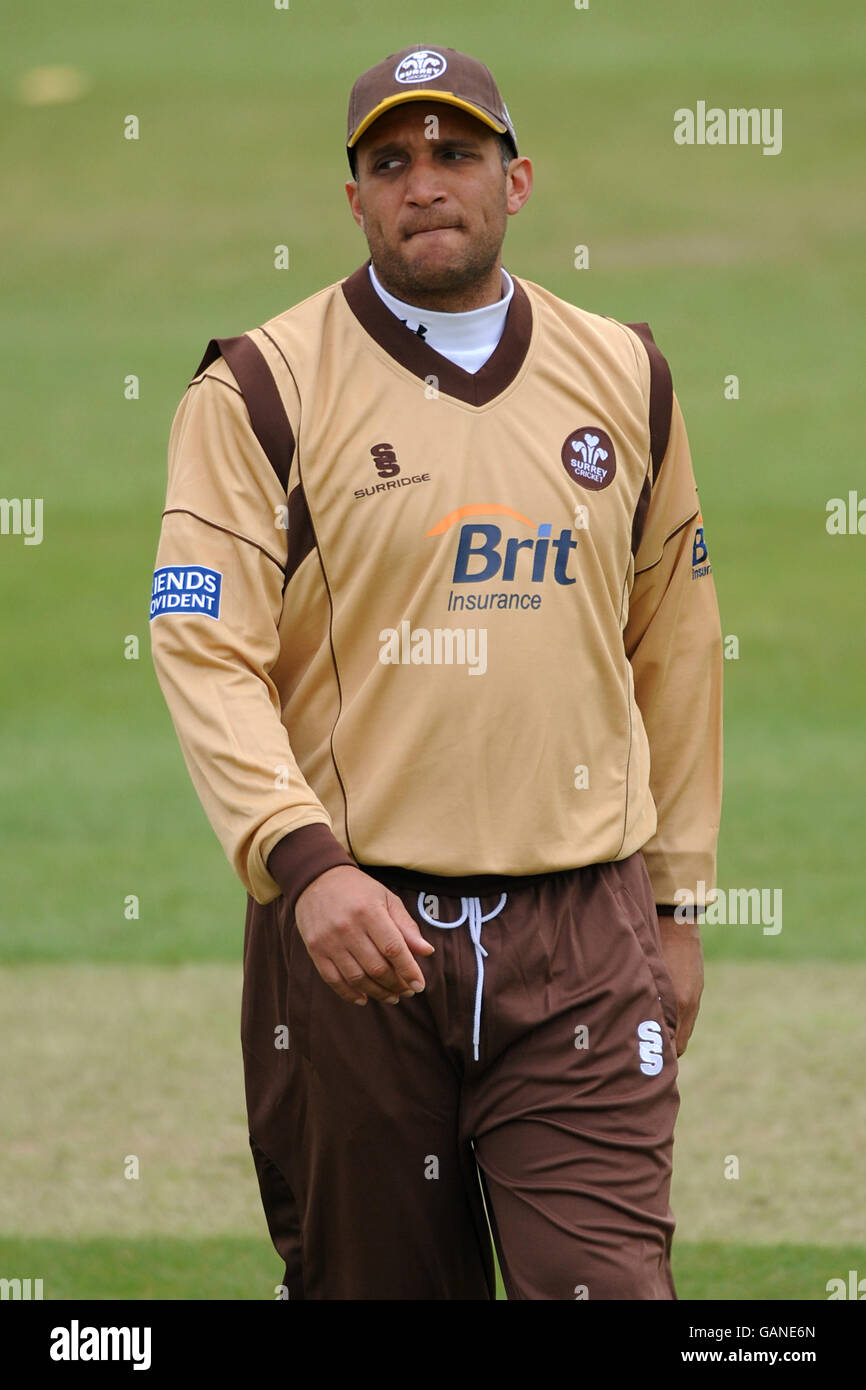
355, 202
519, 180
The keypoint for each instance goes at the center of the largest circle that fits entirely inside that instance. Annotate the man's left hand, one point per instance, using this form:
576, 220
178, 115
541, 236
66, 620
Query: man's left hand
684, 958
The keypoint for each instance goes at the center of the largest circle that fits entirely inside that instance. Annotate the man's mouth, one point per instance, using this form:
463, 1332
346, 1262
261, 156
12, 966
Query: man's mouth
422, 231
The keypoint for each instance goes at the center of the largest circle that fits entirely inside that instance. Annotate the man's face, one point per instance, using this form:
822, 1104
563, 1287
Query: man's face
432, 198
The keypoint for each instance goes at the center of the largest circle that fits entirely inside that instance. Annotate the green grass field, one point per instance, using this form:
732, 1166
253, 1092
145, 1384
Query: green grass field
120, 1034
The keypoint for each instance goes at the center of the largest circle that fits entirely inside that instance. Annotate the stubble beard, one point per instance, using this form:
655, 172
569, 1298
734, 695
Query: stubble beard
436, 286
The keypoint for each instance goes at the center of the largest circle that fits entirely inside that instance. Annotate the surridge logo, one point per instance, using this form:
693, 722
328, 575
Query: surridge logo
384, 456
421, 66
649, 1035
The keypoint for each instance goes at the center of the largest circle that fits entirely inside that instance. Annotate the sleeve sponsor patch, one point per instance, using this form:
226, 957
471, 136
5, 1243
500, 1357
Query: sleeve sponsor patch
186, 589
700, 555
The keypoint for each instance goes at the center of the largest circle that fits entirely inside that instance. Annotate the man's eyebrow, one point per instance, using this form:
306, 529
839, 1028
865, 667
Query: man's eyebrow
395, 146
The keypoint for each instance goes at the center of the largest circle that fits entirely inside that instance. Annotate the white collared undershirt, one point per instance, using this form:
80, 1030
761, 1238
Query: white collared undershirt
467, 338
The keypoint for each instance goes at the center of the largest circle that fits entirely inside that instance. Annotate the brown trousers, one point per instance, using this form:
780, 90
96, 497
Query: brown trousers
382, 1146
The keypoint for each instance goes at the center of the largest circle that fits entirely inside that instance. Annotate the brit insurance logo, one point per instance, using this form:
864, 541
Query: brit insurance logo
488, 557
589, 457
700, 555
421, 66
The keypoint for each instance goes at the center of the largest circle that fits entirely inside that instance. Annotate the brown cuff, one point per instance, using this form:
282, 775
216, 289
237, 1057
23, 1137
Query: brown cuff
303, 855
690, 914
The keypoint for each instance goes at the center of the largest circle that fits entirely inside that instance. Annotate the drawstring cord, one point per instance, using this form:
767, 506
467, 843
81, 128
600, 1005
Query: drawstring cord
472, 912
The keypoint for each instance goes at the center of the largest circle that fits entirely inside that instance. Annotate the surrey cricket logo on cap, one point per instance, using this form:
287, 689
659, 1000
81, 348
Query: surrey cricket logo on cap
589, 457
421, 66
422, 74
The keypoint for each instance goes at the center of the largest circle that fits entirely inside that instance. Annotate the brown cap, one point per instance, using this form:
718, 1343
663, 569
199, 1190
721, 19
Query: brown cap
427, 74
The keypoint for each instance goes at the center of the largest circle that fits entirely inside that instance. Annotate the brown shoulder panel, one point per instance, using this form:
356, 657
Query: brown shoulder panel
640, 512
660, 409
211, 353
302, 537
266, 410
661, 397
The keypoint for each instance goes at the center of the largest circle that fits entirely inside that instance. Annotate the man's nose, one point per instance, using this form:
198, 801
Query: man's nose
424, 183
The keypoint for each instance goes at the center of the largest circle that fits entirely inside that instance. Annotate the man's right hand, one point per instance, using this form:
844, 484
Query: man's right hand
360, 937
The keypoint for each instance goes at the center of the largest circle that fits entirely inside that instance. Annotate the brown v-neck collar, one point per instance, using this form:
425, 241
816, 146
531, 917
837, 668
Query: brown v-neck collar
423, 361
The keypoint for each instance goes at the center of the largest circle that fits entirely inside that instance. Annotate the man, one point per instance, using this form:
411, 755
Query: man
434, 619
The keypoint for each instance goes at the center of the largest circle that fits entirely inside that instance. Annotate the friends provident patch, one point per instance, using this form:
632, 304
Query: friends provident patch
186, 589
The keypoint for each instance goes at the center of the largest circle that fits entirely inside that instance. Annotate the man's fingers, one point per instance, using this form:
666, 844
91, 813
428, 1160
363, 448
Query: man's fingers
332, 977
395, 949
347, 979
365, 969
360, 937
408, 928
359, 968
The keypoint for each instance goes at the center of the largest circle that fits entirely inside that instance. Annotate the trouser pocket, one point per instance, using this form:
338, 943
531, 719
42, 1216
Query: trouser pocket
630, 883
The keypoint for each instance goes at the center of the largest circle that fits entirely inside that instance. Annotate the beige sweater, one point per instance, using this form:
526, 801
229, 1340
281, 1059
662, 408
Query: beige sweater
475, 632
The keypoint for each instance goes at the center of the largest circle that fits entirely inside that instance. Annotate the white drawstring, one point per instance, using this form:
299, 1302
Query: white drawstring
472, 911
